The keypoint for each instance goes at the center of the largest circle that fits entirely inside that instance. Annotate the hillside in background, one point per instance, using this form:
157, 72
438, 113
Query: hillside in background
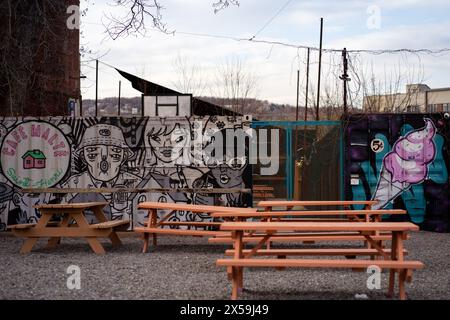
259, 109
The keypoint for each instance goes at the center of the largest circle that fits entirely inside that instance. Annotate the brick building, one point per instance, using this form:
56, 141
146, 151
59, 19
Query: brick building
40, 65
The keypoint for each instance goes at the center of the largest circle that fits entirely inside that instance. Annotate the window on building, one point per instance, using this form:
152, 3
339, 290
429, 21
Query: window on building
446, 107
432, 108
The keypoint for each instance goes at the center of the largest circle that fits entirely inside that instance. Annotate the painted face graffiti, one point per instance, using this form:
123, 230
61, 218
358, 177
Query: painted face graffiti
167, 143
104, 150
229, 173
104, 162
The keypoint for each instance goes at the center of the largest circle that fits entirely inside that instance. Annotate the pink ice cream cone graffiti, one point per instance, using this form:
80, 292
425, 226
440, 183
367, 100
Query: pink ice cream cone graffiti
406, 164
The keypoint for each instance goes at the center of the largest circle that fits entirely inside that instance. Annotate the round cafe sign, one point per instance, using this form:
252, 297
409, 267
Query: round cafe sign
35, 154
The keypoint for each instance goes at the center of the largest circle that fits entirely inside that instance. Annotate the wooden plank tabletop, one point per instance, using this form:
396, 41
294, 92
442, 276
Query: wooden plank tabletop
319, 226
137, 190
81, 205
282, 203
192, 207
307, 213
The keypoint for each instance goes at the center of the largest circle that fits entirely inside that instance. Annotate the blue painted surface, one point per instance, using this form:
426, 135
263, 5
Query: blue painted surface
289, 126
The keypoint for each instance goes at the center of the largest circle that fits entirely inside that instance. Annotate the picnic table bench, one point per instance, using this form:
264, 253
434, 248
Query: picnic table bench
263, 191
392, 259
154, 227
71, 212
291, 216
369, 214
290, 204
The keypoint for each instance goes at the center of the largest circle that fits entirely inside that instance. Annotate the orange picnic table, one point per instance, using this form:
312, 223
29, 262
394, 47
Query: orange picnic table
393, 259
155, 227
73, 224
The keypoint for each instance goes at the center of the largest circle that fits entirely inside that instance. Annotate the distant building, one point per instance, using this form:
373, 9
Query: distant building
418, 98
34, 159
160, 101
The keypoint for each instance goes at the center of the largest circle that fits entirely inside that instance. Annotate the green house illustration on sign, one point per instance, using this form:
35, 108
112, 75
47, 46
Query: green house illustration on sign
34, 159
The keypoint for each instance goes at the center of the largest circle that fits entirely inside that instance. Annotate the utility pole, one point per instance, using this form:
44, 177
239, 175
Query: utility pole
96, 88
120, 89
320, 67
307, 85
298, 84
345, 79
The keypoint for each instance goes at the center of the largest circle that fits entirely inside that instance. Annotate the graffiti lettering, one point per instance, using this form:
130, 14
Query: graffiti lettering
22, 182
48, 182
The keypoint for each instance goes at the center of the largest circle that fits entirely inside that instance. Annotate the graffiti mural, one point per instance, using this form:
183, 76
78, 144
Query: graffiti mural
117, 153
402, 161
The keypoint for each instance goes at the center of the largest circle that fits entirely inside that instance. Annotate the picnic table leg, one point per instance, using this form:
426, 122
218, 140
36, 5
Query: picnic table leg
401, 284
93, 242
28, 245
394, 246
237, 273
145, 248
235, 284
230, 269
377, 218
30, 242
95, 245
402, 272
52, 242
150, 224
280, 268
240, 255
98, 212
115, 240
154, 218
269, 244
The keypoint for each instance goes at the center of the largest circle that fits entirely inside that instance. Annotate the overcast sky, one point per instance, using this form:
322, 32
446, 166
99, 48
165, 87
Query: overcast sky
352, 24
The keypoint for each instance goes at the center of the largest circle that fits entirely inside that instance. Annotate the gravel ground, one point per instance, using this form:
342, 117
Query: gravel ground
184, 268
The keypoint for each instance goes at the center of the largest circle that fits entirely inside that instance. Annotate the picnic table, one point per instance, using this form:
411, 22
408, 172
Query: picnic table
308, 216
45, 228
348, 214
155, 226
392, 259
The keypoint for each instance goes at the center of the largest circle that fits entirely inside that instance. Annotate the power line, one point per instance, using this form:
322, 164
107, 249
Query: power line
271, 19
299, 46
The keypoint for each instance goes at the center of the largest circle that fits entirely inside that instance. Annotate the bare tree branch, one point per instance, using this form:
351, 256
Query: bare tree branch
222, 4
134, 19
236, 84
136, 13
189, 78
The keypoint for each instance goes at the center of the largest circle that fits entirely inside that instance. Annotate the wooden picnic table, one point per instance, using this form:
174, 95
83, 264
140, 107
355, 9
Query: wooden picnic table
155, 226
81, 228
393, 259
307, 216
